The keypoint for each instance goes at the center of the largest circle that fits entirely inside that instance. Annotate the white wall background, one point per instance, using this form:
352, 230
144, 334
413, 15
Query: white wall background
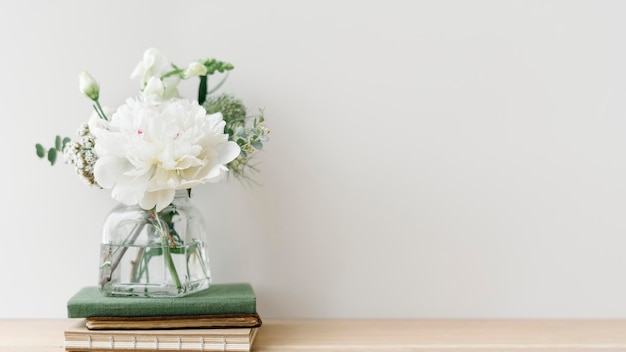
428, 158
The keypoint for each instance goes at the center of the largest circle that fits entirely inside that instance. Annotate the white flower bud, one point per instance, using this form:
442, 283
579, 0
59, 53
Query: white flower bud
88, 86
195, 69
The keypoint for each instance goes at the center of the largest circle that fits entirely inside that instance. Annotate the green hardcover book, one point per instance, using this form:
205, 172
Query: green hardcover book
232, 298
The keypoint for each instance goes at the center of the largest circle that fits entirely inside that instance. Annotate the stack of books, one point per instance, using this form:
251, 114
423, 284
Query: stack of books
220, 318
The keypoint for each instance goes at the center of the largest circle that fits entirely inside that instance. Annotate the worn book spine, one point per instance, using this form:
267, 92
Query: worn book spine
175, 322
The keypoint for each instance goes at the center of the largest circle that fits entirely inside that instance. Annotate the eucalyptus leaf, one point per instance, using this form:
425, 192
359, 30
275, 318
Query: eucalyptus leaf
52, 156
57, 143
257, 144
41, 151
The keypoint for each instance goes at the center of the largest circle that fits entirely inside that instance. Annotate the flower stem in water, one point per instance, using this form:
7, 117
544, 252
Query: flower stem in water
120, 255
167, 255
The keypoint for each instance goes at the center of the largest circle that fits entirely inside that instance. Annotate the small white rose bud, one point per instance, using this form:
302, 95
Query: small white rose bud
89, 86
195, 69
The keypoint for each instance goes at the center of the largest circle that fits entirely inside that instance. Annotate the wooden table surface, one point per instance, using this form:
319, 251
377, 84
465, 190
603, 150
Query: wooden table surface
304, 335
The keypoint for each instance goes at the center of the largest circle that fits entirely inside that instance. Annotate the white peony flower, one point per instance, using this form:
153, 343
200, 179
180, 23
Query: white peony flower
149, 150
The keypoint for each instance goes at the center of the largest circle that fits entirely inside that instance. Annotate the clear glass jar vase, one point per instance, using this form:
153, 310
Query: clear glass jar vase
146, 253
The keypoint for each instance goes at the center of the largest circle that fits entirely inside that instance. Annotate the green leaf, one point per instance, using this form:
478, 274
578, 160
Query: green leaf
52, 156
257, 144
57, 143
41, 151
65, 141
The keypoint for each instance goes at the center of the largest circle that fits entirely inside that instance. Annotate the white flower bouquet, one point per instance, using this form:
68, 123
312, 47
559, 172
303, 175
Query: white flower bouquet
157, 144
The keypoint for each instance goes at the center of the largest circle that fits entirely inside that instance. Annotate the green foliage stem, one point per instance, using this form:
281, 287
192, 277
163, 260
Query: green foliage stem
52, 153
202, 89
247, 131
